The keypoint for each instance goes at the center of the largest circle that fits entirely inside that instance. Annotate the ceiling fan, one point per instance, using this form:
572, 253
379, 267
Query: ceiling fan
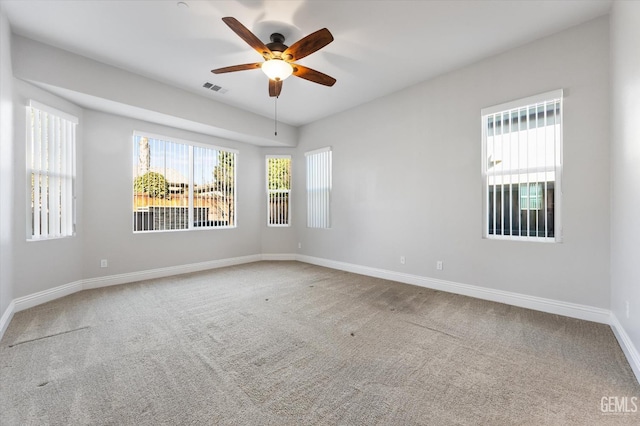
279, 59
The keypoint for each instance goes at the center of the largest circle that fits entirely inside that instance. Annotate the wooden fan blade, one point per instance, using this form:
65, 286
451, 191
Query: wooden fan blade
307, 45
244, 33
233, 68
275, 87
313, 75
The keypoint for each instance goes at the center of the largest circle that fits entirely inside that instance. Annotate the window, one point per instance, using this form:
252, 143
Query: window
278, 189
530, 196
51, 172
318, 187
522, 168
179, 185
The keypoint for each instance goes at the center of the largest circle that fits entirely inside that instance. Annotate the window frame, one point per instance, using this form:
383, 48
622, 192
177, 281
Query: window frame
190, 145
278, 191
67, 192
551, 96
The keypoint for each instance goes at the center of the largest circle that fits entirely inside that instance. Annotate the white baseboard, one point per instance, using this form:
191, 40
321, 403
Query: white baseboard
6, 317
35, 299
573, 310
629, 349
29, 301
130, 277
568, 309
279, 256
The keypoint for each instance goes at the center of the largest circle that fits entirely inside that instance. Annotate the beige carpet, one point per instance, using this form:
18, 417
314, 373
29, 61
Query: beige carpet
287, 343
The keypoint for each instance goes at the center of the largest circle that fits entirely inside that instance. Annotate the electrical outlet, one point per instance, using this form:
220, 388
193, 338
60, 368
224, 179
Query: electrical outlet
439, 265
299, 245
627, 309
402, 260
104, 263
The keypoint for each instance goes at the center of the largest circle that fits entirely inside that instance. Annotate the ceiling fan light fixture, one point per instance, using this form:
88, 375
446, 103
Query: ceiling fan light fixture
277, 69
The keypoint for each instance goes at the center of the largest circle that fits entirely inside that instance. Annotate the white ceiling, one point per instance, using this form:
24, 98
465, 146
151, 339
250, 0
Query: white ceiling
380, 46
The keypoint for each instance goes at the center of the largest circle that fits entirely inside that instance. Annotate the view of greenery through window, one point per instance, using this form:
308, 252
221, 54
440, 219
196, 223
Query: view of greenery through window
177, 185
278, 189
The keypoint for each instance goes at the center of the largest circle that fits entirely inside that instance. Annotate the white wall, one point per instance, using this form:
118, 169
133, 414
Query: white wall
84, 81
107, 206
6, 166
104, 214
105, 170
407, 176
625, 169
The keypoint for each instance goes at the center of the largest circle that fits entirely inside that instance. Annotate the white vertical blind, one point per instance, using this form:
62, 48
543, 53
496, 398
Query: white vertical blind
522, 147
181, 185
318, 188
278, 183
50, 171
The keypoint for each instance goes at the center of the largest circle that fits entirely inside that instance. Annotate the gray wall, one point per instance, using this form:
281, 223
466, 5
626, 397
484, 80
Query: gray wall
407, 177
108, 176
6, 165
76, 77
625, 167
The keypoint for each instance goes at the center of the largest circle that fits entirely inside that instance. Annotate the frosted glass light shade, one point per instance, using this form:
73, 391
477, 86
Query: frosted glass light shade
277, 69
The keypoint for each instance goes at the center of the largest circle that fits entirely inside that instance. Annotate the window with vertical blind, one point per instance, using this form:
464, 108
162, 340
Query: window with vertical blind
51, 172
522, 168
318, 188
180, 185
278, 189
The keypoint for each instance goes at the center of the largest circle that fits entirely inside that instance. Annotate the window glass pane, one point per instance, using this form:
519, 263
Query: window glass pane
278, 190
522, 147
224, 183
161, 185
181, 186
51, 171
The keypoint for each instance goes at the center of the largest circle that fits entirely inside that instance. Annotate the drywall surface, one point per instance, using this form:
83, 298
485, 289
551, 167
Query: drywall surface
96, 85
108, 204
6, 166
625, 167
407, 175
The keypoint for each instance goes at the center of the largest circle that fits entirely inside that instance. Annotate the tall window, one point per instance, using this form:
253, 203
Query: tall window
318, 188
180, 185
278, 189
522, 163
51, 172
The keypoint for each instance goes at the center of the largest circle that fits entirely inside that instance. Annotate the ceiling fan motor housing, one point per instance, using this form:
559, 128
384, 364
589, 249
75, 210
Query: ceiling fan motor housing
277, 45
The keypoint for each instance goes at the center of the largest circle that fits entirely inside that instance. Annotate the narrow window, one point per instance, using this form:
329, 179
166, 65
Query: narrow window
278, 189
522, 164
179, 185
51, 172
318, 188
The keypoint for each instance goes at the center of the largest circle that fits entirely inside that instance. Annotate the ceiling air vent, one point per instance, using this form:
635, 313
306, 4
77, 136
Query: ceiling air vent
214, 87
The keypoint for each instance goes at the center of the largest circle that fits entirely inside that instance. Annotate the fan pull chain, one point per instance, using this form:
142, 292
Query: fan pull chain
276, 117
